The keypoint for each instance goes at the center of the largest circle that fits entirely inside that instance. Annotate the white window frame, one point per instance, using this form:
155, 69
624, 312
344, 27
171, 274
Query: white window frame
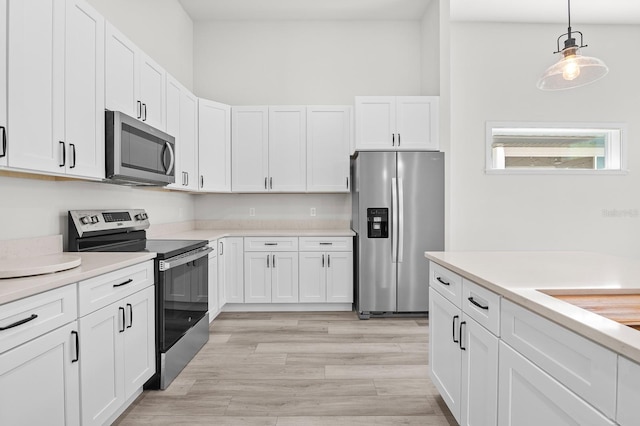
622, 127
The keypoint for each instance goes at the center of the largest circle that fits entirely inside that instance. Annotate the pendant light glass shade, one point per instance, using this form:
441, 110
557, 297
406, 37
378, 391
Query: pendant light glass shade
573, 70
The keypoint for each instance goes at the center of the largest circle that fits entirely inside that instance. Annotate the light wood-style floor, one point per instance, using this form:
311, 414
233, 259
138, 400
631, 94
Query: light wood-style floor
301, 369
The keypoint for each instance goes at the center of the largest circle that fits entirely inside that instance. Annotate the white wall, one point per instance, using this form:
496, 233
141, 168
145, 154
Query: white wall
159, 27
308, 62
430, 50
494, 69
273, 207
37, 207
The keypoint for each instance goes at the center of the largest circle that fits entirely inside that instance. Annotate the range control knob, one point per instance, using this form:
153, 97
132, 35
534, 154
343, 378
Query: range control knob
84, 220
138, 216
144, 216
94, 219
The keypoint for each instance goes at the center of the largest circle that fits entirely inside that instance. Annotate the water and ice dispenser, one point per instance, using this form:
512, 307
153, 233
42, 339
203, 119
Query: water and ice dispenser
378, 222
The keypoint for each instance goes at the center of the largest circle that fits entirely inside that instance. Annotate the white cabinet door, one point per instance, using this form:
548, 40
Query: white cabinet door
214, 146
479, 399
313, 277
152, 92
445, 356
530, 397
339, 277
36, 85
417, 123
139, 340
375, 122
122, 74
628, 410
231, 269
101, 363
328, 148
287, 149
189, 140
284, 277
250, 149
39, 381
257, 277
3, 82
173, 95
214, 300
84, 90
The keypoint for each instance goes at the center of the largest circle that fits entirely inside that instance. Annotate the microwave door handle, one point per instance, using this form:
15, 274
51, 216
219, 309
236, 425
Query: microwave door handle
168, 170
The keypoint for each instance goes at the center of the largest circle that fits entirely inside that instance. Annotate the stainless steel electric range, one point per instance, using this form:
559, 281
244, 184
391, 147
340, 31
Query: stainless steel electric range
181, 281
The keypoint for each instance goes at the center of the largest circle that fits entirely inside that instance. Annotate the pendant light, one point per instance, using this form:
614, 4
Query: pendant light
573, 70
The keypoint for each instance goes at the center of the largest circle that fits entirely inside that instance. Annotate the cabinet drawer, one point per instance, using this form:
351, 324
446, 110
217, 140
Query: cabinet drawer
326, 244
581, 365
49, 311
482, 305
101, 291
447, 283
271, 244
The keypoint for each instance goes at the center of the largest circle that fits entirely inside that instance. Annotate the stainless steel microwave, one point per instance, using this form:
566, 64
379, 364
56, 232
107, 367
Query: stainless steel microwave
136, 153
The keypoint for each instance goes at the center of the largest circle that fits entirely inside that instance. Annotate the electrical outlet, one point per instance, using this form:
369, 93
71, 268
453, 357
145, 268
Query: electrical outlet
313, 211
252, 211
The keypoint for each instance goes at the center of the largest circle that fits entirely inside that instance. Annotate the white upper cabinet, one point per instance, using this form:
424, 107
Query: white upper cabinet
214, 146
287, 149
56, 79
36, 83
328, 146
250, 149
84, 90
189, 139
397, 123
122, 73
268, 149
135, 84
3, 82
182, 123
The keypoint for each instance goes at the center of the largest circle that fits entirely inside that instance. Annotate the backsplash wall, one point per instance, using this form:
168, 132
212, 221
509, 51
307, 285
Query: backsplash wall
38, 207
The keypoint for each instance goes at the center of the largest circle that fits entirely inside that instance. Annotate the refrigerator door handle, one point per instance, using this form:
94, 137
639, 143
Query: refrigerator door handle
394, 218
400, 238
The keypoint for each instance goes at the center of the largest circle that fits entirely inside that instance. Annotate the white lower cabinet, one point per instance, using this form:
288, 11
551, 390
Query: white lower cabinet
445, 356
271, 277
213, 291
628, 409
39, 381
117, 347
530, 397
326, 270
39, 359
463, 354
231, 269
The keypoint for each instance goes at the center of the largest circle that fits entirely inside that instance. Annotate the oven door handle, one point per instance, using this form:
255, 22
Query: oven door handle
181, 260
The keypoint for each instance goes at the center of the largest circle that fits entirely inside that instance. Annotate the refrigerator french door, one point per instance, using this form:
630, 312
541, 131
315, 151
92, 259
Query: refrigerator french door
398, 214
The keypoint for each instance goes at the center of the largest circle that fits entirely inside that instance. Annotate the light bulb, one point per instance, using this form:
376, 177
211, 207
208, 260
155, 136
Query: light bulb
571, 69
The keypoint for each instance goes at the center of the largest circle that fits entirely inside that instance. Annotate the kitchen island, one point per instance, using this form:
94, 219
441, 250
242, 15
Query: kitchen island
505, 347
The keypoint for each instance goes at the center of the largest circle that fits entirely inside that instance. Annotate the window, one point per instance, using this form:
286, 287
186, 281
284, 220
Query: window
555, 148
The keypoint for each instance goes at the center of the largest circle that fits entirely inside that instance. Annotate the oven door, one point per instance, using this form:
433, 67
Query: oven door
182, 296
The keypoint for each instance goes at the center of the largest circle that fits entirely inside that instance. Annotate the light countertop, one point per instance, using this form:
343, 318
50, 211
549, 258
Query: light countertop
213, 234
526, 277
92, 265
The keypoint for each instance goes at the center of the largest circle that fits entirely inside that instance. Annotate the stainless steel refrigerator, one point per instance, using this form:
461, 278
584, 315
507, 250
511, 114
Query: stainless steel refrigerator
397, 214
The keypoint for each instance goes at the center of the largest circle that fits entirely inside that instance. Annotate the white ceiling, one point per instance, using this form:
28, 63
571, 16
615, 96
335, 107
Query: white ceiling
552, 11
204, 10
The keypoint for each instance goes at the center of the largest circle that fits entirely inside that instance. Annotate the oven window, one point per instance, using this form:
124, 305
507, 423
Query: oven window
184, 299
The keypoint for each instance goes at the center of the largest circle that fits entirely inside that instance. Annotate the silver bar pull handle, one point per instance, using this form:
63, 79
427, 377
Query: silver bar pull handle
323, 260
394, 215
270, 183
265, 183
267, 261
328, 261
347, 182
400, 238
274, 261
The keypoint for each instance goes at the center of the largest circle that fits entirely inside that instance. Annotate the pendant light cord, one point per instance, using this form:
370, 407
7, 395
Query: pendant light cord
569, 14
